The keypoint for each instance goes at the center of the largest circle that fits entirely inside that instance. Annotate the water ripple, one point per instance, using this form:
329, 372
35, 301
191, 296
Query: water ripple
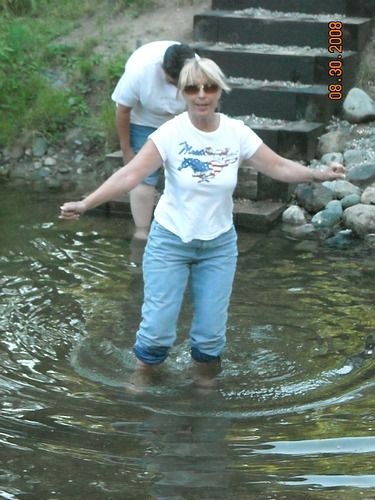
300, 356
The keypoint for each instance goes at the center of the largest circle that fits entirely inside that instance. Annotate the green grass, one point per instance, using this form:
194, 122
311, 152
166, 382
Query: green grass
47, 87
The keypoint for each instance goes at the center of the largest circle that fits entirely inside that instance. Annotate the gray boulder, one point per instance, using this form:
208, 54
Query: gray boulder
333, 142
355, 156
313, 197
359, 173
39, 147
368, 196
329, 217
342, 188
358, 106
350, 200
300, 232
294, 215
361, 219
330, 157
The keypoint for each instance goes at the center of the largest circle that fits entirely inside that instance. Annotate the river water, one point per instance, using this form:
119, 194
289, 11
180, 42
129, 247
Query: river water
292, 416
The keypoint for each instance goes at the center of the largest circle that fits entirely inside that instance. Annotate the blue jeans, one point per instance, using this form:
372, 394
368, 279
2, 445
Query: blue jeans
167, 264
138, 136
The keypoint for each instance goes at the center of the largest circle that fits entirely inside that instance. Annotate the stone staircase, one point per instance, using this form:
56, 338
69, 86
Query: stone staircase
276, 56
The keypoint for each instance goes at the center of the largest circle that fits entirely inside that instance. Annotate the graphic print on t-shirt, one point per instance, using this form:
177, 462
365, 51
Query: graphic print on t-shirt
205, 163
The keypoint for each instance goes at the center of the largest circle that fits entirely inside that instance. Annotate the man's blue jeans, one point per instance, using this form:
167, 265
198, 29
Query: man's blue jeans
138, 137
167, 264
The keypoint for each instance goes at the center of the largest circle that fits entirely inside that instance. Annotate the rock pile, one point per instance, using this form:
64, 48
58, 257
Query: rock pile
74, 164
342, 211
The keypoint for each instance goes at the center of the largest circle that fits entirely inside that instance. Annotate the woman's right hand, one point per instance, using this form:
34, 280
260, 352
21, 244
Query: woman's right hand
72, 210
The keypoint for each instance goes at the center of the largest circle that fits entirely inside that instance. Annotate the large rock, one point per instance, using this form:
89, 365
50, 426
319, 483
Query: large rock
360, 173
330, 157
361, 219
342, 188
368, 196
329, 217
341, 240
300, 232
39, 147
16, 152
350, 200
355, 156
358, 106
294, 215
313, 197
333, 142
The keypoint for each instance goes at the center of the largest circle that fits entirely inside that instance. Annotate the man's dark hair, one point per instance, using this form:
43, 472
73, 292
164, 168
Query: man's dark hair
175, 57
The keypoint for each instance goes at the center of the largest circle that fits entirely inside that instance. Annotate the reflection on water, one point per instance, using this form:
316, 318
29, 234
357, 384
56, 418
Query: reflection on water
291, 417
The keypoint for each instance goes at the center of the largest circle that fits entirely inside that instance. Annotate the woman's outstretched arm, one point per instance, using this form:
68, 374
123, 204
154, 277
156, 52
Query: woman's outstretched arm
266, 161
122, 181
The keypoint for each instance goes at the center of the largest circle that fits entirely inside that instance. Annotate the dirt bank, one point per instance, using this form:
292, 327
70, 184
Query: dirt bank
166, 20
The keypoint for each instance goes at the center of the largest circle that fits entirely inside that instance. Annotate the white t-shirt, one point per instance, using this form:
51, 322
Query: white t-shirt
200, 175
143, 87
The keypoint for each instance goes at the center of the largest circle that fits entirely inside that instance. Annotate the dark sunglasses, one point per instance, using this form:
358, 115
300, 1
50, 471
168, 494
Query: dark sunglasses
208, 88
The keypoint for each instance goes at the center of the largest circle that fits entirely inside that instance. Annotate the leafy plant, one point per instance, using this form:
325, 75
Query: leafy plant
50, 111
45, 85
106, 125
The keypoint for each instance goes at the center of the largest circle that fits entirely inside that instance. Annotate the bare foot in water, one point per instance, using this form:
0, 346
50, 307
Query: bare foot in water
142, 378
205, 374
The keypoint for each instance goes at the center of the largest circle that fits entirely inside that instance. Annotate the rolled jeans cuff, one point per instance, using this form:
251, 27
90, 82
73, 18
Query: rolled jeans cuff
201, 357
151, 355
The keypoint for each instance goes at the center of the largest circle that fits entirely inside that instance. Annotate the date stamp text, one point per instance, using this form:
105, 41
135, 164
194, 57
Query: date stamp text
335, 64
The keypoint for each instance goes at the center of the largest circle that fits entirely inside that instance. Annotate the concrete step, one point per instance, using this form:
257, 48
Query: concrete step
247, 27
348, 7
285, 100
305, 65
293, 139
257, 216
254, 186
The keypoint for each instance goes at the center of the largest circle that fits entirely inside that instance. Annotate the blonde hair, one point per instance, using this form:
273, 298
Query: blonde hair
202, 69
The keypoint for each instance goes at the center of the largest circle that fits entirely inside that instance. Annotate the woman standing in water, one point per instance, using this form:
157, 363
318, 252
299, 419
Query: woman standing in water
192, 233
